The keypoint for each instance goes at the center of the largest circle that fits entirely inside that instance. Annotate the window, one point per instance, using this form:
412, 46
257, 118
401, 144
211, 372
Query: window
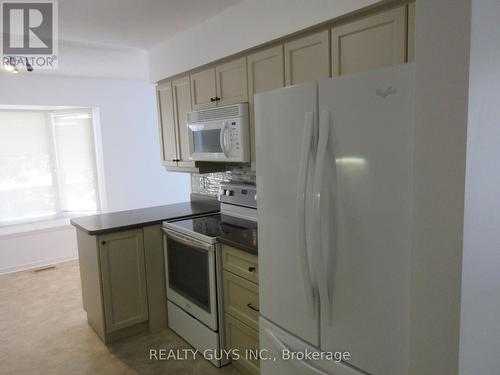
47, 164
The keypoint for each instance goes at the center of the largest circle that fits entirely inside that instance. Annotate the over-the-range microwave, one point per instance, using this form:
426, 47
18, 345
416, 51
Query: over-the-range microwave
219, 134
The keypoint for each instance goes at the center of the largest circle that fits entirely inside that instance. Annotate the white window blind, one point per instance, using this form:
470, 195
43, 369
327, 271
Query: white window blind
47, 164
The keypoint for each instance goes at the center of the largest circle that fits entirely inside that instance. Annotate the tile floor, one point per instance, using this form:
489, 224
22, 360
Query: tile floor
43, 330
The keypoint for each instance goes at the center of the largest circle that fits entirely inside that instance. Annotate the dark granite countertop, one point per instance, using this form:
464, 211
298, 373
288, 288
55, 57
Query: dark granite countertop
121, 220
244, 239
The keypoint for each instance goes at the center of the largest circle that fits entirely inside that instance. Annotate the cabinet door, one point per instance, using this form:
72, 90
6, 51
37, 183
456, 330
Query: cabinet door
265, 72
168, 136
231, 78
307, 58
181, 92
246, 340
123, 279
203, 89
241, 299
372, 42
411, 32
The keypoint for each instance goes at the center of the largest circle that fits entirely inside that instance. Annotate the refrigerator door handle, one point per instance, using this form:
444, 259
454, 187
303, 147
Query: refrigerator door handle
318, 261
301, 211
280, 345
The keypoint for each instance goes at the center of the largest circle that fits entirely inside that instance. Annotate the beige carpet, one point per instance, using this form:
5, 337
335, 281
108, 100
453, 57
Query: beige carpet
43, 330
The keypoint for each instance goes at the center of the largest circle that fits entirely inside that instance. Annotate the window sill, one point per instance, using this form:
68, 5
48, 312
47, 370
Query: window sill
35, 227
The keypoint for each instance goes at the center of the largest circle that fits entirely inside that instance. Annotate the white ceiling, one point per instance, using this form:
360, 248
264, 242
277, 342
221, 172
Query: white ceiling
132, 23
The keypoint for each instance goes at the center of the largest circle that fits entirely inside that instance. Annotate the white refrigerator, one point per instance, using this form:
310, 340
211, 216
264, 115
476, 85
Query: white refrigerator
334, 187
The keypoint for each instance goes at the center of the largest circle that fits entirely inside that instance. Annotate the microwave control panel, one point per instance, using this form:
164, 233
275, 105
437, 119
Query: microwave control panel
234, 139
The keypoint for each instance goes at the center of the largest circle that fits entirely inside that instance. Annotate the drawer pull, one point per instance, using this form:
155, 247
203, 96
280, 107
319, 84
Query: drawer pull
250, 306
251, 269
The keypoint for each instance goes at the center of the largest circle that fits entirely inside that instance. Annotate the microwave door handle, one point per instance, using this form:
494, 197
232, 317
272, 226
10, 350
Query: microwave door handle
223, 138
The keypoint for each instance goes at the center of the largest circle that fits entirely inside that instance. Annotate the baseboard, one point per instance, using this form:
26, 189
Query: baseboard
40, 263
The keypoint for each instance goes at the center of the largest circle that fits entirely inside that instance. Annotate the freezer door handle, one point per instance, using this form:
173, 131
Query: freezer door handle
301, 211
318, 261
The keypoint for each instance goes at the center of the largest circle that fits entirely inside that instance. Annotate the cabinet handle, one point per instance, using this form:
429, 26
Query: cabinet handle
212, 99
217, 98
103, 242
252, 307
251, 269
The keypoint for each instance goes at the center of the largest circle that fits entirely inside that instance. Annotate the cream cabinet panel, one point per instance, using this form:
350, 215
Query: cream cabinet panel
181, 91
371, 42
240, 263
123, 279
231, 78
307, 58
203, 89
155, 277
265, 72
168, 136
241, 299
411, 32
245, 339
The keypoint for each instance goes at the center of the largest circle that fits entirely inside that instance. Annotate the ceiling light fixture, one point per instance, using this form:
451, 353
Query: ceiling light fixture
29, 68
12, 67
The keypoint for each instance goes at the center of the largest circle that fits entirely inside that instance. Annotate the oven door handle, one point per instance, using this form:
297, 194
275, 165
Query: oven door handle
185, 240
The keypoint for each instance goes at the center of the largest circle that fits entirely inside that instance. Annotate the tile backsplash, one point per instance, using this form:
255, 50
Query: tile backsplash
208, 183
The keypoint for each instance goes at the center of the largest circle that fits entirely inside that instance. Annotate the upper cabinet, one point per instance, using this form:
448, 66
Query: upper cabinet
265, 72
174, 102
371, 42
181, 93
231, 80
307, 58
203, 91
166, 125
223, 84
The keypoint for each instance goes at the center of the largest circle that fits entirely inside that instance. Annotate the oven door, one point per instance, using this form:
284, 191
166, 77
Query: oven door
209, 141
190, 276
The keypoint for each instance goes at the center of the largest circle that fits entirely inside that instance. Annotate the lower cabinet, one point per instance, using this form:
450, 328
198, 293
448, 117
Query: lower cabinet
241, 308
123, 276
246, 340
122, 279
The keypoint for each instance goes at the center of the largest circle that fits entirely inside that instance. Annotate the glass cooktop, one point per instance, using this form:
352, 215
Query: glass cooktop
214, 225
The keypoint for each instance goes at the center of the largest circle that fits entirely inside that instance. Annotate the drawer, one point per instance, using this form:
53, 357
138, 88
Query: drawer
241, 299
240, 263
246, 340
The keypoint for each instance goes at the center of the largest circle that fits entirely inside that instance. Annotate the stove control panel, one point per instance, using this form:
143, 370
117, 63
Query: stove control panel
242, 195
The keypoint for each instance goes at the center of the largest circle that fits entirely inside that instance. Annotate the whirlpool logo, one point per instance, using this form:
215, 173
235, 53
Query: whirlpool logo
384, 93
29, 33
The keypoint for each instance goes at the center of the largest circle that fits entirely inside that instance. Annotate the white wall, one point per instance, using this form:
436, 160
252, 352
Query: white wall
37, 248
78, 59
480, 315
99, 61
242, 26
441, 99
131, 152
